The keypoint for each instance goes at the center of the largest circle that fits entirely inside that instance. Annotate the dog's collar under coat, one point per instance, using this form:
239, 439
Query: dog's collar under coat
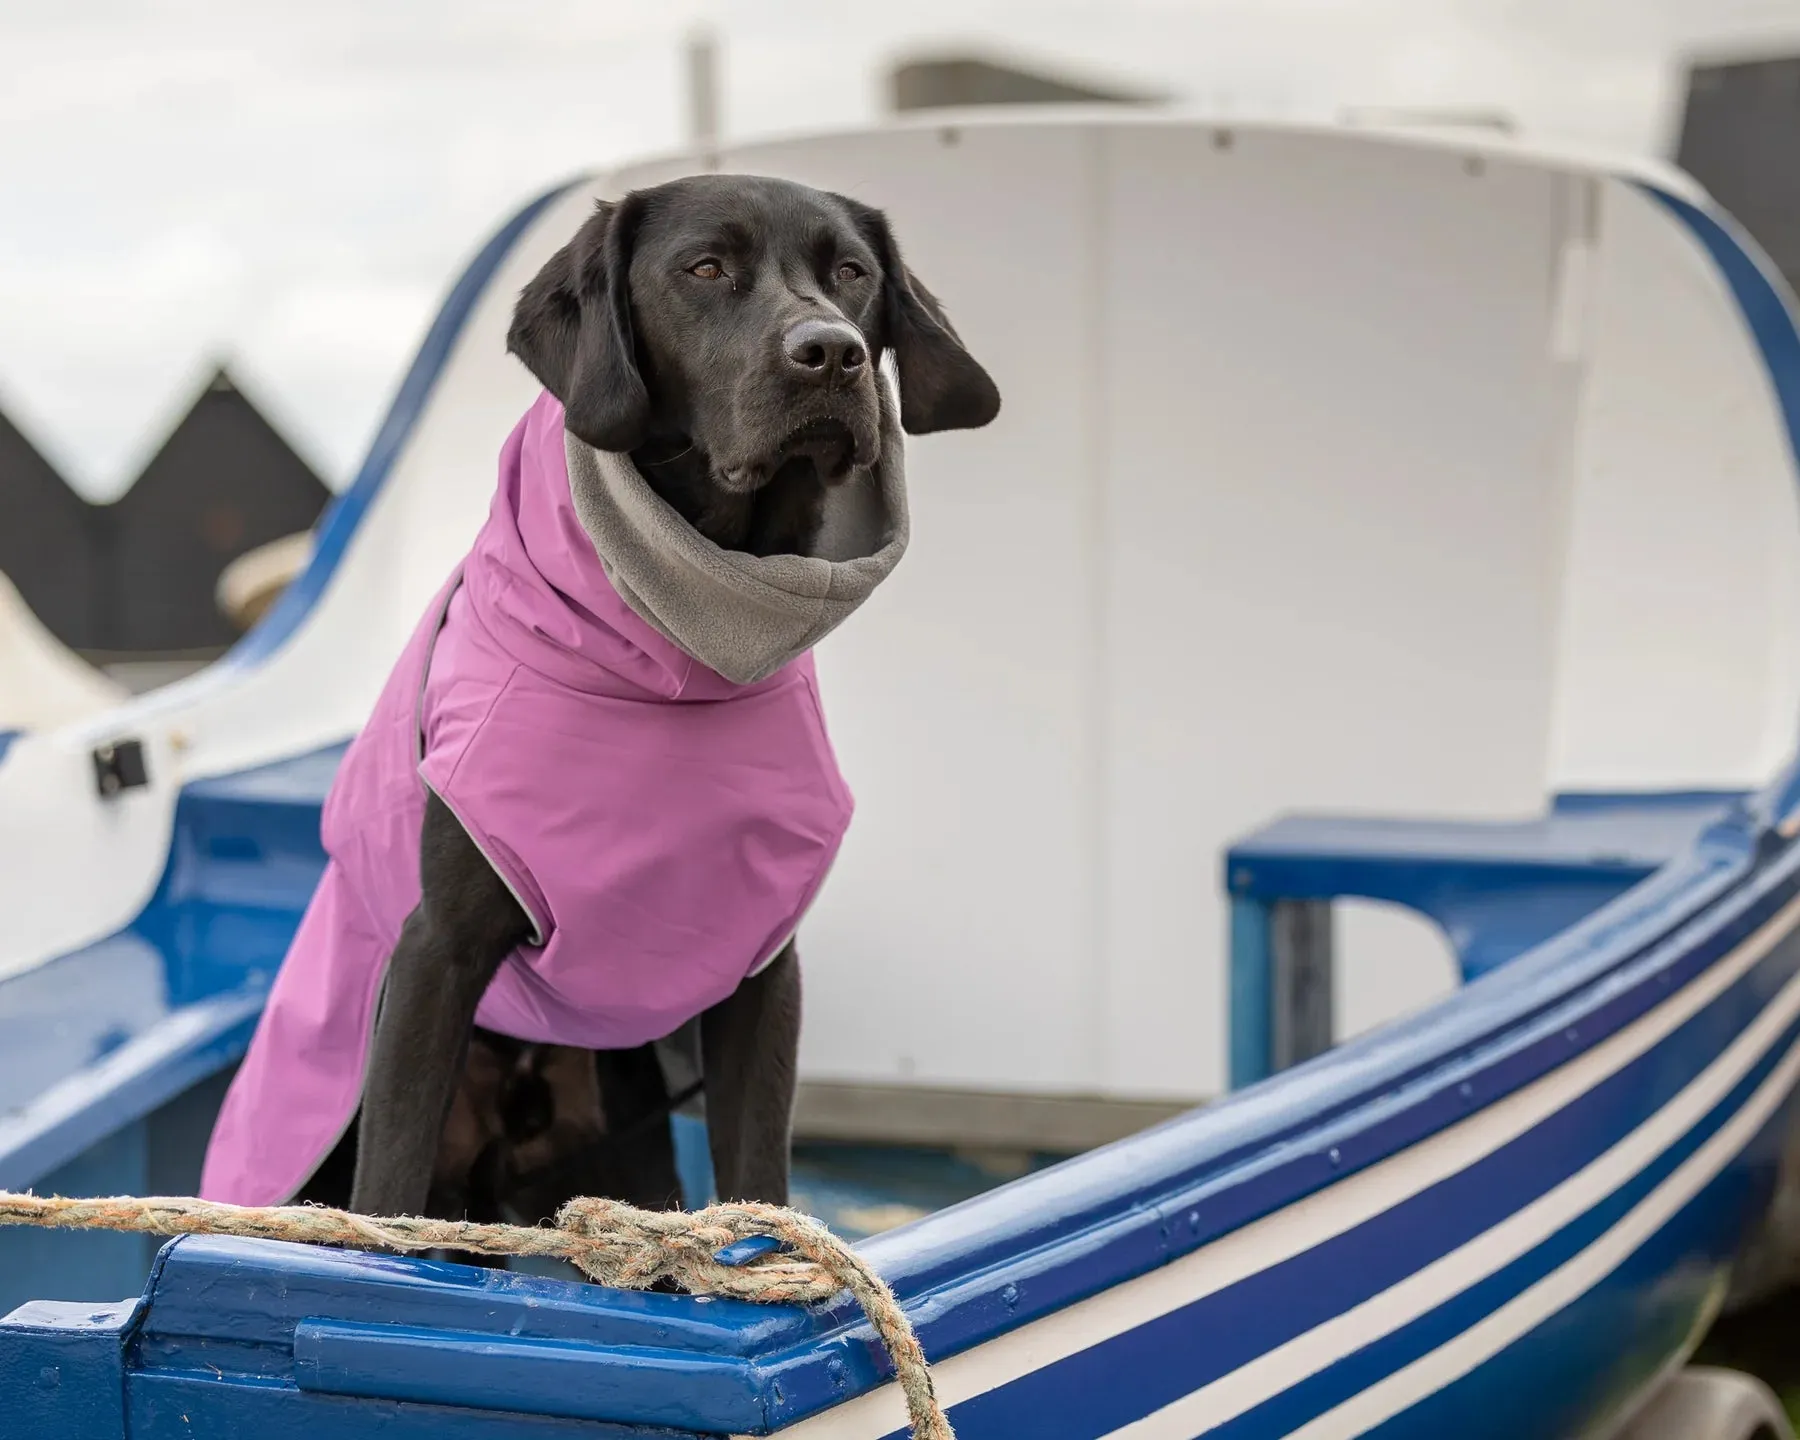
744, 616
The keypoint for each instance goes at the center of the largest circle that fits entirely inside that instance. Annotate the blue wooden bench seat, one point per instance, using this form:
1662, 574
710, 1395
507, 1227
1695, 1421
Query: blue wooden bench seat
1495, 888
113, 1057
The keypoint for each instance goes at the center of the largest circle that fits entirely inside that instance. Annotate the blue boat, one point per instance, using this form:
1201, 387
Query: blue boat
1415, 582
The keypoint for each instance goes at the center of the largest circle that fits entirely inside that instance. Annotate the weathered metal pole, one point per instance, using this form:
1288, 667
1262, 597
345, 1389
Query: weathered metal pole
703, 96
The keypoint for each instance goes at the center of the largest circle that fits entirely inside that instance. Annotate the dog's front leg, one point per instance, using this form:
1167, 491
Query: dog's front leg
467, 922
749, 1045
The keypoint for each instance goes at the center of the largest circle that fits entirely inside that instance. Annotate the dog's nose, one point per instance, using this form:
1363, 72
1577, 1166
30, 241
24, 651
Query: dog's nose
827, 352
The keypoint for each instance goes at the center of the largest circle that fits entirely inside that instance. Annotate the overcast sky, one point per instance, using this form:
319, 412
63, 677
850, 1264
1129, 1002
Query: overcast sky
290, 187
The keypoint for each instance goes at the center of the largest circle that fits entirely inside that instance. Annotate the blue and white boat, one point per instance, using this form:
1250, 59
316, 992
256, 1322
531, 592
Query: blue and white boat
1359, 676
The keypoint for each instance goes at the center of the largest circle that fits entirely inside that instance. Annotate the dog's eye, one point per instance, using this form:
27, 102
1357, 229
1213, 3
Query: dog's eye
849, 271
707, 270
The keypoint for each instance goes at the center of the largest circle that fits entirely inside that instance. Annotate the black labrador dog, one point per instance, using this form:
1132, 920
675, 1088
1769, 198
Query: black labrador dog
725, 332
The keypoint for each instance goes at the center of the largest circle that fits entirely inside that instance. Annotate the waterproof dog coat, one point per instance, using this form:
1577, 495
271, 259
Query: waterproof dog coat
625, 719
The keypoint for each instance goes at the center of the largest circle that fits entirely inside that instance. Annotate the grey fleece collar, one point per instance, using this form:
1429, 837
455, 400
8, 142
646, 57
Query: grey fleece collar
744, 616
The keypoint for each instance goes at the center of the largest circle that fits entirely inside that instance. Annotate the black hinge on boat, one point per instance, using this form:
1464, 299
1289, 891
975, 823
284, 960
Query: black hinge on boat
119, 767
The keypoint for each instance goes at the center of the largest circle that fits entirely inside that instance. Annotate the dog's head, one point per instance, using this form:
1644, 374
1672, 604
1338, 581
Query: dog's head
744, 317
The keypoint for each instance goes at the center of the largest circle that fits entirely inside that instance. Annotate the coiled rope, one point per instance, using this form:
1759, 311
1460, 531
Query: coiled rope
612, 1244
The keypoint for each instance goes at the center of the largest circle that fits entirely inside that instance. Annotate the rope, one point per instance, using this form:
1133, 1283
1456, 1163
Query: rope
612, 1244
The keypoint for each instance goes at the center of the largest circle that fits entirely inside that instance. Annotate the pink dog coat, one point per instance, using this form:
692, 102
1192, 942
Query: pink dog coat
664, 827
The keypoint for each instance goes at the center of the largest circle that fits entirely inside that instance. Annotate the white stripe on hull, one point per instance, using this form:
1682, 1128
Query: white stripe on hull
1530, 1308
1341, 1207
1445, 1278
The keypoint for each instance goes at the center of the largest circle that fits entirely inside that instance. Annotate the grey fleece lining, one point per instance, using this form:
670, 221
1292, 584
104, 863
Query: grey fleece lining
744, 616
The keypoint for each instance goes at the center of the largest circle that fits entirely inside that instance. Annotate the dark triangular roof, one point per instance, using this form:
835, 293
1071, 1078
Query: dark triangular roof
224, 482
49, 542
1739, 130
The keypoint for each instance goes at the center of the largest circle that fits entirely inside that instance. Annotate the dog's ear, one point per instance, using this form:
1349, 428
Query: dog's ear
572, 328
942, 387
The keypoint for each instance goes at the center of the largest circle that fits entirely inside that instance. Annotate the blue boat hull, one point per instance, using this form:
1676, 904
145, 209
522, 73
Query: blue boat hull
1513, 1243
